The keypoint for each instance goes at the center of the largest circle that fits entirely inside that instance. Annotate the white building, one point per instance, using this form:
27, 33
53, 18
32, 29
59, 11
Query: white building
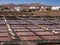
55, 8
43, 8
33, 7
18, 8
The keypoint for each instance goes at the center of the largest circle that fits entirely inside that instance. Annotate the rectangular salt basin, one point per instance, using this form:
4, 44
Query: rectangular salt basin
2, 27
37, 30
4, 34
19, 30
3, 30
44, 33
5, 39
33, 27
24, 33
29, 25
27, 38
22, 22
2, 22
12, 22
55, 37
18, 27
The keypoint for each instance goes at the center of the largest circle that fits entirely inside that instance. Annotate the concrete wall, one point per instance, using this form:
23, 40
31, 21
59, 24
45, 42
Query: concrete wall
55, 8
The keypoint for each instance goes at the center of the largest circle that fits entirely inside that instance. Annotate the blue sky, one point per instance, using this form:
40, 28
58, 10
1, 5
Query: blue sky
48, 2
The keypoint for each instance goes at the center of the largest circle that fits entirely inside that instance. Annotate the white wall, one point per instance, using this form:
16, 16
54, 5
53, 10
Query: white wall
32, 7
55, 8
17, 8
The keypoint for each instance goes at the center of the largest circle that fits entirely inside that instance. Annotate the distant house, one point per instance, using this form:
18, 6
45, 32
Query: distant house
42, 8
45, 8
6, 9
55, 8
25, 8
12, 9
18, 8
33, 8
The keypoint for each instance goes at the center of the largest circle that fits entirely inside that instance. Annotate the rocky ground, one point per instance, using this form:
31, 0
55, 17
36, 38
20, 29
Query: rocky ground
47, 13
